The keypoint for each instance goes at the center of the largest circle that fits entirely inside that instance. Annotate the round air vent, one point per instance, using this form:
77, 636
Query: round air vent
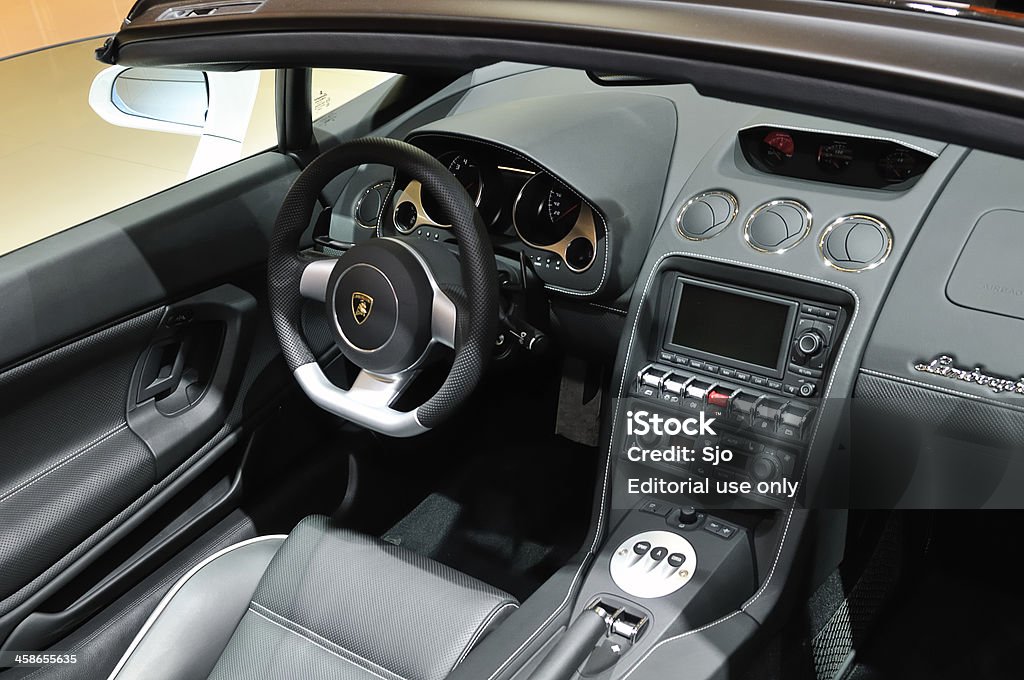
707, 214
856, 243
777, 226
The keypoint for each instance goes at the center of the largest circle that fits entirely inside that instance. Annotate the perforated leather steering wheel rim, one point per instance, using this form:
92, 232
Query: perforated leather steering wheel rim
476, 312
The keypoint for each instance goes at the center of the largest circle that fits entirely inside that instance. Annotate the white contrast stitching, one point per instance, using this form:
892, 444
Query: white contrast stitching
859, 135
315, 639
162, 605
810, 447
480, 631
623, 312
63, 462
604, 490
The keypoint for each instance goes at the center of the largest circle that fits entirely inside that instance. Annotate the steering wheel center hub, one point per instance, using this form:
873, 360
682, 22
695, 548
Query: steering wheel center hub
379, 301
365, 307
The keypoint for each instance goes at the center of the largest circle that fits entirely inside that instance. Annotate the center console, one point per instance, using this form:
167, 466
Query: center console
753, 353
749, 354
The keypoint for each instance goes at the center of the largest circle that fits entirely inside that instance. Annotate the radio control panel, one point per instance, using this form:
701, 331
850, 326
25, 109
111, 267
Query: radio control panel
803, 369
755, 362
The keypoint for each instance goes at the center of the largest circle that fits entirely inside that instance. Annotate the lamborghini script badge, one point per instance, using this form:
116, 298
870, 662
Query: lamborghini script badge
943, 365
362, 305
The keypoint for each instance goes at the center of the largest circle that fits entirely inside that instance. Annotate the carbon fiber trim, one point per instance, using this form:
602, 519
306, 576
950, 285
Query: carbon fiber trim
846, 629
957, 417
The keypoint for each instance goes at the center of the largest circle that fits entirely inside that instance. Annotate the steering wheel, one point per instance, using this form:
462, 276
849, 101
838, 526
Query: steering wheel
390, 301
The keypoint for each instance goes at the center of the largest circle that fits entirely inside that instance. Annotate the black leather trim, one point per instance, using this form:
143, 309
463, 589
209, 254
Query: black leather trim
69, 461
186, 634
263, 380
100, 643
335, 603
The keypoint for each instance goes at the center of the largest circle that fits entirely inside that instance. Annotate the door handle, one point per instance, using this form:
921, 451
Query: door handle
162, 368
185, 383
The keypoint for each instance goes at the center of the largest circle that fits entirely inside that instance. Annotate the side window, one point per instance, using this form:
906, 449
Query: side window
333, 87
81, 139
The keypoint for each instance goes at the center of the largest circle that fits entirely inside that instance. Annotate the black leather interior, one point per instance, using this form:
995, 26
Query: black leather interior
325, 603
75, 457
187, 632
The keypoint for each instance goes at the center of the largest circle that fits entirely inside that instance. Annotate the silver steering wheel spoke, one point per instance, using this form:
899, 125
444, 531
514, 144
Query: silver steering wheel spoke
380, 391
315, 277
368, 402
444, 318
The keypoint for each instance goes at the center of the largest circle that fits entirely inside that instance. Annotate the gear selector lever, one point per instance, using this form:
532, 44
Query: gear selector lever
586, 634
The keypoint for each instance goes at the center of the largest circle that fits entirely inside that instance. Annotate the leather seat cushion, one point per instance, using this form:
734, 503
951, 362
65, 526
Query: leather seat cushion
337, 604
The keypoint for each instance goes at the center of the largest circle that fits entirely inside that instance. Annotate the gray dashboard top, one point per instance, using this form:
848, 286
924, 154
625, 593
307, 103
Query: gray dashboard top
702, 153
704, 156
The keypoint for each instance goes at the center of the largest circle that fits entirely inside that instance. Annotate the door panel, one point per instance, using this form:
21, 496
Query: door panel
69, 461
183, 383
134, 348
167, 247
138, 362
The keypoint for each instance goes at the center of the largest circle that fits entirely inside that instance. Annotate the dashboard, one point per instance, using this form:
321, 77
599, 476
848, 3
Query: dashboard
615, 194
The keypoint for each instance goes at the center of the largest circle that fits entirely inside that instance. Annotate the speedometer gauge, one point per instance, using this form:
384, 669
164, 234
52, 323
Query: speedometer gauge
563, 206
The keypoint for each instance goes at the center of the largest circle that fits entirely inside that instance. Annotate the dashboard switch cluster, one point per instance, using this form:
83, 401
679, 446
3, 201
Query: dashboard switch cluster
741, 407
767, 433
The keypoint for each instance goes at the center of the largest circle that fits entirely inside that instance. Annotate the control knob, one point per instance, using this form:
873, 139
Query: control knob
764, 468
688, 515
810, 343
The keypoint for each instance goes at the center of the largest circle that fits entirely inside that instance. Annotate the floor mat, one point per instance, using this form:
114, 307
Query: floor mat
495, 493
961, 619
511, 519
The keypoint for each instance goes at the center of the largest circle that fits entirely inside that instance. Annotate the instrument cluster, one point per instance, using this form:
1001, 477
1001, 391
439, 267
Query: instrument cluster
523, 206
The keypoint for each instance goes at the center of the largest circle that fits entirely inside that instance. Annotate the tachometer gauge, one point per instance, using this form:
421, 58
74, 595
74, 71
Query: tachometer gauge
470, 176
468, 173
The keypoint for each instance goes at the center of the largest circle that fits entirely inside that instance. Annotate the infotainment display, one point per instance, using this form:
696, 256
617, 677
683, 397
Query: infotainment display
732, 326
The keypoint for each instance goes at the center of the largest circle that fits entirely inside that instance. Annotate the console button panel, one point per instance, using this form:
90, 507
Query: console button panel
653, 571
767, 433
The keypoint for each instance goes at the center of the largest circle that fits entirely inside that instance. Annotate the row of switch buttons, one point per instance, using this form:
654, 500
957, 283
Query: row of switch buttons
724, 371
756, 411
662, 509
720, 528
819, 311
642, 548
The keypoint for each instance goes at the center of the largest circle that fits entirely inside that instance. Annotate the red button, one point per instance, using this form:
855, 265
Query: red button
716, 398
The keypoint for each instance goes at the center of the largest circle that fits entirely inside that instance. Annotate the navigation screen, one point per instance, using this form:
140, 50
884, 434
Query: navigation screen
731, 325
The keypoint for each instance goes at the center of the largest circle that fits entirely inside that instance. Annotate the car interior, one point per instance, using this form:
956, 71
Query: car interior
405, 397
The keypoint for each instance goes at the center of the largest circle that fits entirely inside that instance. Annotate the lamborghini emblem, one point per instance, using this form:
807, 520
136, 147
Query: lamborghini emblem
362, 305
